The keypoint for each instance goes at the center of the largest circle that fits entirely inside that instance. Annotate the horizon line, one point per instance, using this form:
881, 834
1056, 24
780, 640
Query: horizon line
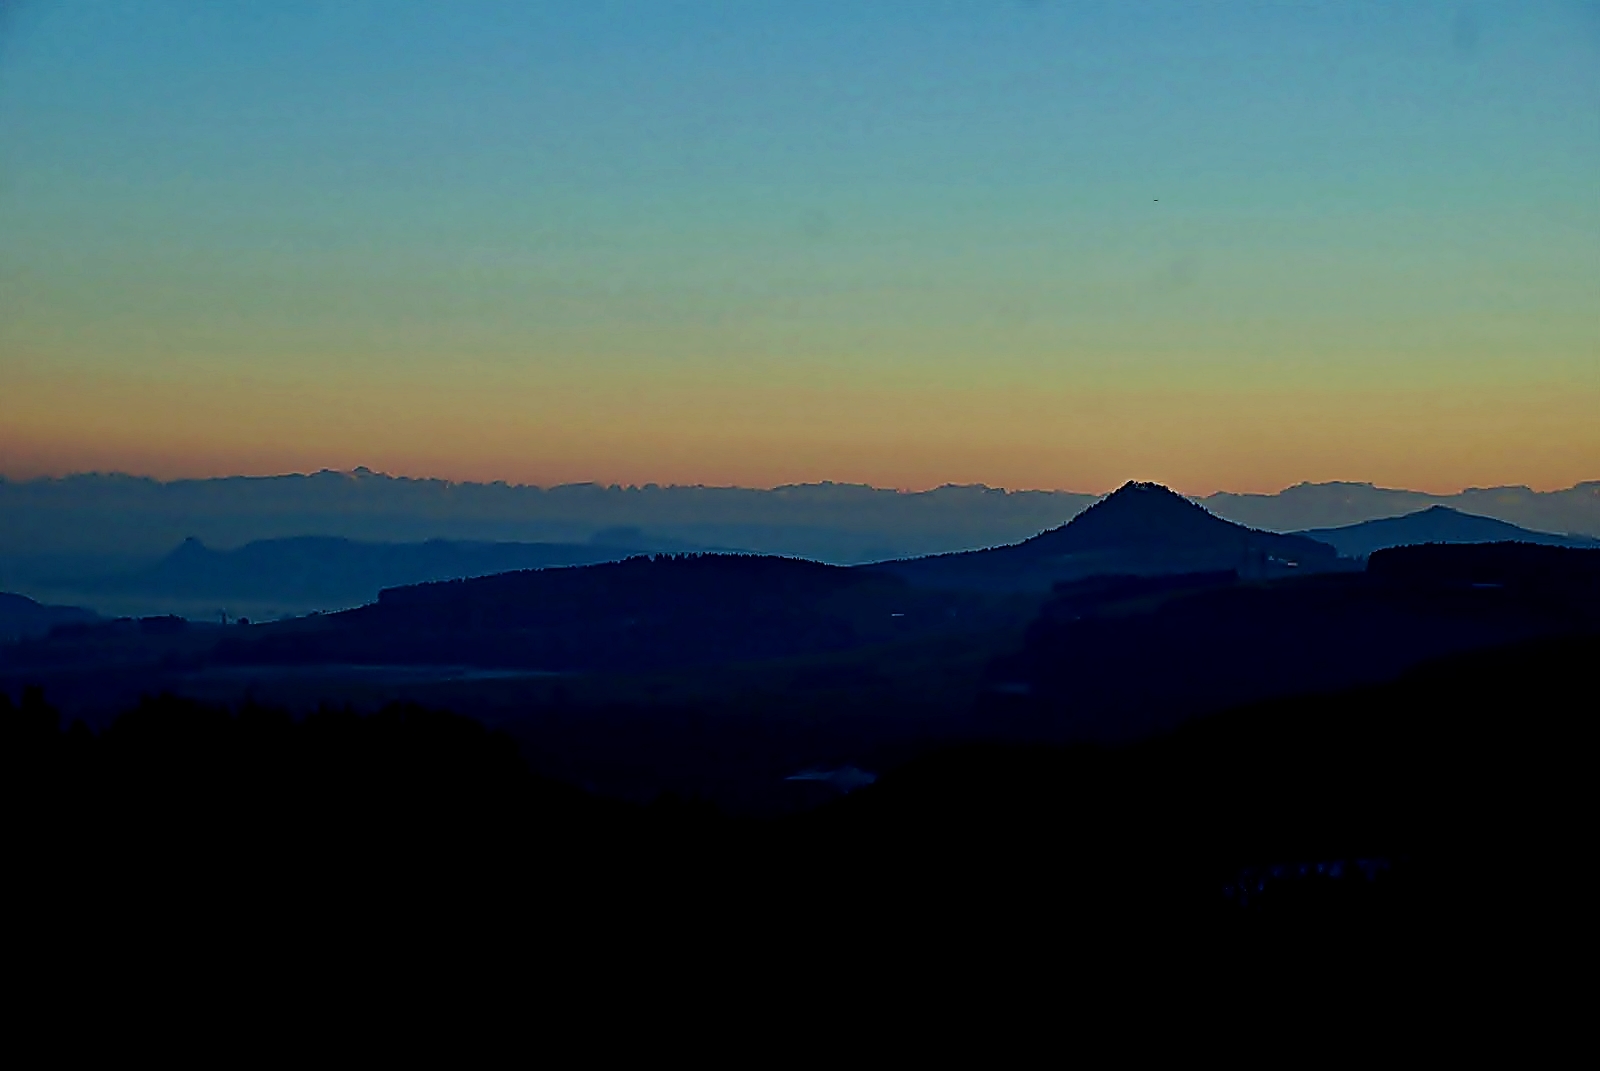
362, 471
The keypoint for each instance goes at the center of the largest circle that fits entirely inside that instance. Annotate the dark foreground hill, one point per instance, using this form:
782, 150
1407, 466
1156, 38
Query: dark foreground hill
722, 676
1142, 529
1119, 658
1437, 524
1408, 835
640, 614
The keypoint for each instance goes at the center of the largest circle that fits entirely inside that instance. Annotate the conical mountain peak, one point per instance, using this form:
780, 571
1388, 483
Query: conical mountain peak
1140, 529
1144, 515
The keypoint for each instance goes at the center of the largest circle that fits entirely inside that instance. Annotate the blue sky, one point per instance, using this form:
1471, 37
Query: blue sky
1041, 244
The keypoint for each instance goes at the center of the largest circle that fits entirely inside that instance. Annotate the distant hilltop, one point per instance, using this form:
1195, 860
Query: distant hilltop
1141, 529
1436, 524
98, 514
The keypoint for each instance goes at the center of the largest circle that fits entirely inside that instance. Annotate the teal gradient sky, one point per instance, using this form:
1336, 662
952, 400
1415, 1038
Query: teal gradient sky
1224, 245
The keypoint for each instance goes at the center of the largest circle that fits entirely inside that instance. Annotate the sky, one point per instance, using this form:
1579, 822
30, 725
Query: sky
1222, 245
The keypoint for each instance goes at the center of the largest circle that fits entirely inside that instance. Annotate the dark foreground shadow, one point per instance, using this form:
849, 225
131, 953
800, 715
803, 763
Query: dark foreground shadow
1404, 834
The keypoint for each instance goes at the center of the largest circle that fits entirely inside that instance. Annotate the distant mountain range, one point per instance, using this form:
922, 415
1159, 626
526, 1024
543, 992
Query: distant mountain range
273, 577
97, 515
1436, 524
1574, 510
74, 525
1142, 529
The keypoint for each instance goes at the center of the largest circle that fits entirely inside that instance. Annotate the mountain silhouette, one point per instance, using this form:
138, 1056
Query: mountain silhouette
1141, 529
1437, 524
1149, 517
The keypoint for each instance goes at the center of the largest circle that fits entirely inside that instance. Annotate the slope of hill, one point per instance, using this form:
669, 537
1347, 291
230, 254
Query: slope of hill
21, 617
1436, 524
639, 614
1142, 529
1128, 660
